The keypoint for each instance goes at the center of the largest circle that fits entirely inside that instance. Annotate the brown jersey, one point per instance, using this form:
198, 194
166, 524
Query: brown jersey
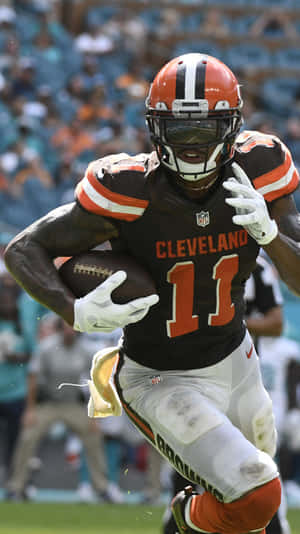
199, 259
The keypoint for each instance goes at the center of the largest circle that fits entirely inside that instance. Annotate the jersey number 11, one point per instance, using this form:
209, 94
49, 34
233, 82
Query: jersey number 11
182, 277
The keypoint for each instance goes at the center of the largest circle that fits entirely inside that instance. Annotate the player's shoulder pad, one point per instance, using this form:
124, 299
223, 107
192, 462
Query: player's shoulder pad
268, 163
118, 164
115, 186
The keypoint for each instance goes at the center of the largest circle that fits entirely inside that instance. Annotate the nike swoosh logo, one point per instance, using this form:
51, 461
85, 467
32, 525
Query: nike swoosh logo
97, 325
249, 354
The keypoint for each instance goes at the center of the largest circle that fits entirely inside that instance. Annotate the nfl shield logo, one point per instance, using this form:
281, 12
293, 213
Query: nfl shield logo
202, 218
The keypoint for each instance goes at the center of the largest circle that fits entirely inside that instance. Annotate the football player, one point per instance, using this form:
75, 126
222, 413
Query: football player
264, 317
194, 212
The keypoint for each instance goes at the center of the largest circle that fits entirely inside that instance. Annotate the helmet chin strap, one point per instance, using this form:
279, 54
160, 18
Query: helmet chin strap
193, 171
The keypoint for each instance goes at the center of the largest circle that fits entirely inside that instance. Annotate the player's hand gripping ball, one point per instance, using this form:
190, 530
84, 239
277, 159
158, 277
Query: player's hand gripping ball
112, 290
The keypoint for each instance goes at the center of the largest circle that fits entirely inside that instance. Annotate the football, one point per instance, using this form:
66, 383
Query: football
84, 272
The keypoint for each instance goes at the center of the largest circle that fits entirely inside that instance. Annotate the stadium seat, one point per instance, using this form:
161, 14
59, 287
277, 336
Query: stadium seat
205, 47
134, 114
38, 198
286, 4
27, 26
191, 2
14, 211
278, 94
99, 15
4, 36
60, 35
222, 3
151, 17
288, 57
241, 25
190, 22
65, 105
252, 55
72, 60
8, 128
114, 64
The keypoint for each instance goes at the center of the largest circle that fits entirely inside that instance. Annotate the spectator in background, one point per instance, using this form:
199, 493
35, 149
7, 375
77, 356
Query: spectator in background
65, 177
135, 34
112, 429
91, 75
274, 23
214, 24
24, 83
4, 183
31, 190
71, 140
74, 18
33, 169
133, 82
122, 443
61, 354
7, 17
9, 55
94, 41
46, 48
169, 23
9, 39
14, 356
95, 110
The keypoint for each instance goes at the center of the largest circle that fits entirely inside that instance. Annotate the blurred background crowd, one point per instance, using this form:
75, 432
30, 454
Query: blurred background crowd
74, 75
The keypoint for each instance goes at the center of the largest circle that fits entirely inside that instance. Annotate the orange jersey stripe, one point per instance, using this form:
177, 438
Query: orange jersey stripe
280, 181
91, 206
275, 174
115, 197
289, 188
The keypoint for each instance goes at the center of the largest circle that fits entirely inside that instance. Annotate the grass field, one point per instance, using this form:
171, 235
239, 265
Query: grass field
40, 518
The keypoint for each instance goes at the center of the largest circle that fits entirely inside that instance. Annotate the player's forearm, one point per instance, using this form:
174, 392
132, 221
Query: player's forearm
65, 231
285, 254
34, 270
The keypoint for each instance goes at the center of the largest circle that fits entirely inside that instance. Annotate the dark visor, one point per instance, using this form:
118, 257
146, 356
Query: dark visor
195, 132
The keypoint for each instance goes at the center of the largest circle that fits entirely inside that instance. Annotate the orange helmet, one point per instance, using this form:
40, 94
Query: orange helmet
194, 102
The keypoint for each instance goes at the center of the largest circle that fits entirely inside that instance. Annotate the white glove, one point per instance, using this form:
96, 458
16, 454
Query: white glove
250, 206
96, 312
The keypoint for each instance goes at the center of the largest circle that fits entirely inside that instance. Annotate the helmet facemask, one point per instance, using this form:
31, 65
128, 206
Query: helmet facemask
211, 137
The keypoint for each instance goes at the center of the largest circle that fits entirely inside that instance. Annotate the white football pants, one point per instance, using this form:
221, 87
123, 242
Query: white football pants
215, 425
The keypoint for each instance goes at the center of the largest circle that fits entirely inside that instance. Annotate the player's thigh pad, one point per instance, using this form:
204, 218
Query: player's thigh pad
186, 414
